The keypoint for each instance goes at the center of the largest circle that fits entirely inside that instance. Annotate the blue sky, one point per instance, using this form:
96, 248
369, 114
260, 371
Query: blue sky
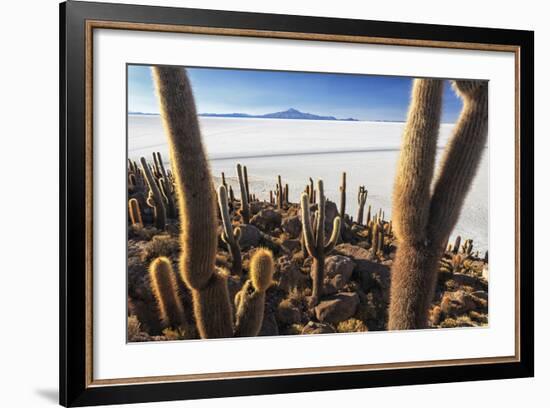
364, 97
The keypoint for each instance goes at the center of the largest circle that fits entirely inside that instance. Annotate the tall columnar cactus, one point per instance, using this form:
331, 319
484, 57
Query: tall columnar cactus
368, 216
456, 246
135, 212
314, 239
224, 183
197, 204
380, 247
245, 208
159, 165
311, 191
165, 290
343, 198
250, 301
166, 192
155, 199
230, 237
361, 200
231, 198
280, 193
375, 237
423, 220
245, 173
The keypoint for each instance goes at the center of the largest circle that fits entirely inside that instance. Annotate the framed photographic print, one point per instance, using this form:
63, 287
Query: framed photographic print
256, 204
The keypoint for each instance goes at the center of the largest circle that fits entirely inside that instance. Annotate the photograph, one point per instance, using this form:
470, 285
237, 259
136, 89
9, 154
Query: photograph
276, 203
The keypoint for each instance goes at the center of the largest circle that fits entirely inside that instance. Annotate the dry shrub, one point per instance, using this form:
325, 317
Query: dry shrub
134, 328
141, 233
161, 245
174, 334
352, 325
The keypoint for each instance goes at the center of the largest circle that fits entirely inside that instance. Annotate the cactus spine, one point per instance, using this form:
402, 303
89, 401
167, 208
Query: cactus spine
197, 204
135, 212
230, 238
424, 220
245, 208
154, 200
314, 239
250, 301
164, 288
361, 201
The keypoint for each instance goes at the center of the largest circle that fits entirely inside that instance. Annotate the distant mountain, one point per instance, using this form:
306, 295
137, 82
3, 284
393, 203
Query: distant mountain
288, 114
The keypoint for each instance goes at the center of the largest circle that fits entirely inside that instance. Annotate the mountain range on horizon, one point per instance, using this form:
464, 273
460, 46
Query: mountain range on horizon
287, 114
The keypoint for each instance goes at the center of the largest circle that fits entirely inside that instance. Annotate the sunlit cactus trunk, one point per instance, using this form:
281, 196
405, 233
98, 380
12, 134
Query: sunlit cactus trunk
250, 301
422, 219
229, 236
197, 204
164, 288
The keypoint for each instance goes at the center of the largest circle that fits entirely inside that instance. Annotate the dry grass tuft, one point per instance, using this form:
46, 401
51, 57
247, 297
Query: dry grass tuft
134, 328
352, 325
160, 245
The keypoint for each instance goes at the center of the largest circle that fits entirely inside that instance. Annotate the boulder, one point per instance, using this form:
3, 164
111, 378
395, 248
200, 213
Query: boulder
287, 273
317, 328
337, 308
287, 313
331, 211
338, 270
291, 245
292, 226
267, 219
250, 236
457, 303
371, 274
269, 326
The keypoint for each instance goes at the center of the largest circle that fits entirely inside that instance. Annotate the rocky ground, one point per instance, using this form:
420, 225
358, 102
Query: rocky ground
356, 283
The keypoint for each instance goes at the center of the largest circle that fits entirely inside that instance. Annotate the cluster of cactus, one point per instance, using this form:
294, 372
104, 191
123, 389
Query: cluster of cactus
281, 193
135, 177
424, 219
198, 222
150, 185
314, 239
310, 191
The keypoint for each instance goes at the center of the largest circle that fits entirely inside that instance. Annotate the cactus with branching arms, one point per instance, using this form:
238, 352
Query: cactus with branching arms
423, 220
314, 239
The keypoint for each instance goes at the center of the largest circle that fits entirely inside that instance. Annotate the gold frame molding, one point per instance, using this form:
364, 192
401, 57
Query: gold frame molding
116, 25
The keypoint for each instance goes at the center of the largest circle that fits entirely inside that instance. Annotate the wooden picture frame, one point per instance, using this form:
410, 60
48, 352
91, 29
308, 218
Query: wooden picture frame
78, 20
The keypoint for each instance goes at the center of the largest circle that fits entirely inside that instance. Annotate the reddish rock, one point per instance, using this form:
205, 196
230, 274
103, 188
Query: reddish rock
337, 308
